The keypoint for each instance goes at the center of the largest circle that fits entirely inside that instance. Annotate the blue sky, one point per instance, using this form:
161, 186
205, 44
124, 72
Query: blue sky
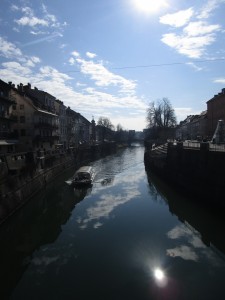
111, 58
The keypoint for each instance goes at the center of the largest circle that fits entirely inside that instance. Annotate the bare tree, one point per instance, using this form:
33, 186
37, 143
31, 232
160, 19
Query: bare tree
161, 114
105, 122
106, 128
119, 127
161, 119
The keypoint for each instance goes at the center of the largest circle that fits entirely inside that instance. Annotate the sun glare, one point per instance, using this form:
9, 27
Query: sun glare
161, 279
159, 275
150, 6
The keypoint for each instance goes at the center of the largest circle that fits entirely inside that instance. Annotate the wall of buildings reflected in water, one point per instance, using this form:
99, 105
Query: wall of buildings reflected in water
129, 236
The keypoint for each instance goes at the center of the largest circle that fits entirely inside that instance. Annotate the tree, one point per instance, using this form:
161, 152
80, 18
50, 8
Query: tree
161, 118
106, 128
121, 135
161, 114
105, 122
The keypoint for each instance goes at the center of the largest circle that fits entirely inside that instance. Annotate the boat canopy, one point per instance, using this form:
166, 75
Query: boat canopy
85, 171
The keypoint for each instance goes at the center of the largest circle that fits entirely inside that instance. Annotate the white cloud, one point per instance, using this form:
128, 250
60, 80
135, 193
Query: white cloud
15, 72
177, 19
103, 77
208, 8
32, 61
46, 20
14, 7
200, 28
26, 21
72, 61
220, 80
91, 55
27, 10
195, 38
193, 47
101, 100
75, 53
9, 50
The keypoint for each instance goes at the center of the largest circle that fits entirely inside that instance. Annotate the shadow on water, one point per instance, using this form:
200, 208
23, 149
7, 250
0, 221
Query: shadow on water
209, 223
38, 223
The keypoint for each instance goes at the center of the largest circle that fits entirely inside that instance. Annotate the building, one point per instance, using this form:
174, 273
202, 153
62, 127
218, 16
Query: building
194, 127
61, 112
37, 122
8, 139
215, 111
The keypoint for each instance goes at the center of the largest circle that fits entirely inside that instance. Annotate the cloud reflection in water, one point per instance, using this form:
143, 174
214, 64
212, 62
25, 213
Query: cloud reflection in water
191, 248
105, 206
108, 201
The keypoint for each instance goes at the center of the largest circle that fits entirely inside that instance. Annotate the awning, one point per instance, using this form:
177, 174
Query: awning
7, 142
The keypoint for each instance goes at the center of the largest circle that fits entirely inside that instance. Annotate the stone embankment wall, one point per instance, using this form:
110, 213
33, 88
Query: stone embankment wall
15, 191
200, 172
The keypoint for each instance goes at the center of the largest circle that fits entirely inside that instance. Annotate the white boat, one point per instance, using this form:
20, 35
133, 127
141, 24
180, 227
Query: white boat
83, 176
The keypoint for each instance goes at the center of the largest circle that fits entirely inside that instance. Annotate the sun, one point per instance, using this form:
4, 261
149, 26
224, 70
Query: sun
150, 6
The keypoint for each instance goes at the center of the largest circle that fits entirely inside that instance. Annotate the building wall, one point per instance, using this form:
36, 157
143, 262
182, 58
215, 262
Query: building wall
23, 112
216, 111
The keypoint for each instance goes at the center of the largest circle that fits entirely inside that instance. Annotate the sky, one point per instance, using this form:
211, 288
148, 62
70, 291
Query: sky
111, 58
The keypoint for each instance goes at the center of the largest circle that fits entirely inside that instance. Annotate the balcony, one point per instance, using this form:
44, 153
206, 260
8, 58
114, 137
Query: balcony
45, 125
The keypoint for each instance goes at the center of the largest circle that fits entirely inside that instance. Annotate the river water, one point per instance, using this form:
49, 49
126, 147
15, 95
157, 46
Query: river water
129, 236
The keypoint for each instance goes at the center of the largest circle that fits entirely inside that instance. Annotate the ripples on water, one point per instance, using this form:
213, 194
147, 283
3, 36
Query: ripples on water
108, 168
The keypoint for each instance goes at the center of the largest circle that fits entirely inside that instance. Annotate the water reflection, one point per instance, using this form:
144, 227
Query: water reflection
201, 227
128, 239
104, 207
38, 223
160, 277
126, 187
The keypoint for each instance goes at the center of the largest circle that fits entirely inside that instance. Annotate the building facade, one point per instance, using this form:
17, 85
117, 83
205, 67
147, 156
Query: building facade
215, 111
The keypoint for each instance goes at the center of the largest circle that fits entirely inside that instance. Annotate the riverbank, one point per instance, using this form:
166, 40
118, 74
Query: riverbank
198, 171
17, 190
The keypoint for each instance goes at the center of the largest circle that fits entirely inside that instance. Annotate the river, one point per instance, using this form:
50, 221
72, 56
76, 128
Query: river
129, 236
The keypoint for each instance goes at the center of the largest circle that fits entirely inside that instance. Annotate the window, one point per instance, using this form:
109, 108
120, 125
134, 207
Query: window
14, 106
23, 132
21, 106
22, 119
15, 133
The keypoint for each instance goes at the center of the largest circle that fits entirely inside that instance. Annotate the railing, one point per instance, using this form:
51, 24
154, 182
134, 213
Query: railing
217, 147
191, 144
197, 145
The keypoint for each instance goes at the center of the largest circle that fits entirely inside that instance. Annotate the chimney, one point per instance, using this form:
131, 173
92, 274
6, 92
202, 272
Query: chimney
27, 87
20, 87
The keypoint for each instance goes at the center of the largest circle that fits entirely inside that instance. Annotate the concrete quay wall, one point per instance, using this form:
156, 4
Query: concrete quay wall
199, 172
15, 191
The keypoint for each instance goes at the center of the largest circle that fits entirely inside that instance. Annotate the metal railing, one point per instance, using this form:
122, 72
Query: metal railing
197, 145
